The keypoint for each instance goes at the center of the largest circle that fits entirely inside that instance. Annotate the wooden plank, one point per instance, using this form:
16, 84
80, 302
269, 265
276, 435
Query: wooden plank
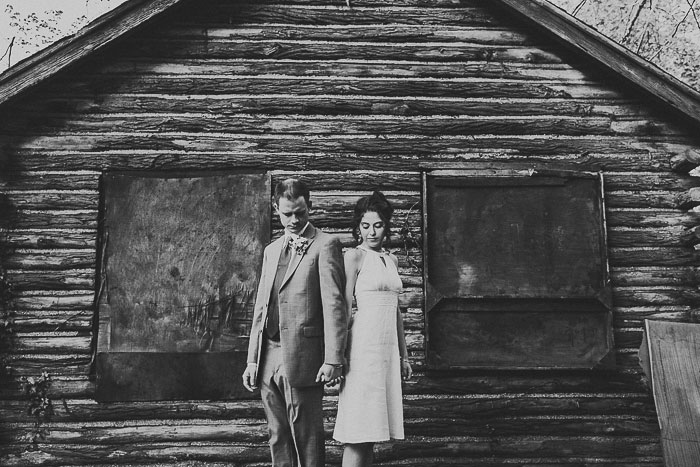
51, 238
626, 237
587, 40
80, 219
341, 158
51, 259
338, 85
50, 180
284, 104
394, 33
348, 145
75, 279
335, 50
97, 35
654, 256
521, 449
325, 14
650, 276
415, 407
673, 349
646, 296
323, 125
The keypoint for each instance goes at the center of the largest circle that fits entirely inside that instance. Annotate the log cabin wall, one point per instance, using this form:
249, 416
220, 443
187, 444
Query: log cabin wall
350, 98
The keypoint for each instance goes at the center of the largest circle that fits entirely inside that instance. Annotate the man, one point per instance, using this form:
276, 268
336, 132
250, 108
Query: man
299, 330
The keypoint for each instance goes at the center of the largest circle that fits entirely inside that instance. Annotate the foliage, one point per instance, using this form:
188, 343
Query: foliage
410, 240
40, 406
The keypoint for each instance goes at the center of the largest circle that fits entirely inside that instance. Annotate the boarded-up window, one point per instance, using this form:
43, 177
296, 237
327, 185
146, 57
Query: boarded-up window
516, 271
180, 264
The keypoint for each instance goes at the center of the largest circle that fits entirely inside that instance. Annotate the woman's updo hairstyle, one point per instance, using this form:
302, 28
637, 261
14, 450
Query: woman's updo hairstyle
376, 202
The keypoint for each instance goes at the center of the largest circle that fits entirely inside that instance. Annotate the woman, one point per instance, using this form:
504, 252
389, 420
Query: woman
369, 404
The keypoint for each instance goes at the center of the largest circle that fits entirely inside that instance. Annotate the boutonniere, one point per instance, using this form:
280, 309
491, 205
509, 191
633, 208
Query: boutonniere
299, 244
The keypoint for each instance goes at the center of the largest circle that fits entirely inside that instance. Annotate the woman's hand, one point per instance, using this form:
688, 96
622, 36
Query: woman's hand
406, 370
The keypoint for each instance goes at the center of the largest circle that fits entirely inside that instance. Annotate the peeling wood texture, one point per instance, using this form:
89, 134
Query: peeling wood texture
350, 99
671, 352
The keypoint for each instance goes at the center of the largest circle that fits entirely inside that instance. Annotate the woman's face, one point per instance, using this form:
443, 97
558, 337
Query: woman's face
372, 230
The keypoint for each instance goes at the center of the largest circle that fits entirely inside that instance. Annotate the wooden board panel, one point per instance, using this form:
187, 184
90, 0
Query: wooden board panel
672, 351
516, 272
182, 258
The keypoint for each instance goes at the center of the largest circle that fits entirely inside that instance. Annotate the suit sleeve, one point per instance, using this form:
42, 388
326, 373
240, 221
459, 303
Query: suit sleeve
332, 279
258, 312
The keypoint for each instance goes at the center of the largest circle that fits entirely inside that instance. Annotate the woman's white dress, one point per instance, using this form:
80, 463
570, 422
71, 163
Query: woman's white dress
370, 403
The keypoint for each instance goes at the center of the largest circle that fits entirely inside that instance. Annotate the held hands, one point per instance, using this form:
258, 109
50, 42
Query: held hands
330, 375
406, 370
249, 376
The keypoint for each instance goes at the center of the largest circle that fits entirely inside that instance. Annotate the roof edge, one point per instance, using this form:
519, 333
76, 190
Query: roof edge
610, 54
66, 51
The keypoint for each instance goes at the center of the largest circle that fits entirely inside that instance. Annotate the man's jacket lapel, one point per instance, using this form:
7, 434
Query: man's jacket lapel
310, 234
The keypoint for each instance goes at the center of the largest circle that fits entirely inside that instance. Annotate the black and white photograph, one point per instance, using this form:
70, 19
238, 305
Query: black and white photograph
350, 233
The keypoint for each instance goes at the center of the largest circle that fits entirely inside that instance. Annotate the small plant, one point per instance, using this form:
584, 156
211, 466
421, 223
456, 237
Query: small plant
410, 240
40, 406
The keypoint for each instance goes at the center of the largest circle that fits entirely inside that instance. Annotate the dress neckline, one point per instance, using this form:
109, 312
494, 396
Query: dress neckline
383, 252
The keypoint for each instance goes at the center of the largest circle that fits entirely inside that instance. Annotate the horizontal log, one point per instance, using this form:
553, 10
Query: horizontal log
61, 388
421, 148
77, 279
175, 159
62, 365
423, 68
214, 47
340, 86
649, 181
51, 259
635, 316
649, 296
76, 321
354, 180
628, 378
54, 199
383, 33
653, 256
50, 180
367, 3
50, 344
285, 104
674, 236
557, 448
335, 15
651, 218
27, 219
51, 239
54, 300
257, 432
415, 407
641, 199
651, 276
322, 125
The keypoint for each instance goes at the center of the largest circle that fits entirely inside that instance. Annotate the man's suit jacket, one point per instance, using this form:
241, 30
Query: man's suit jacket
312, 314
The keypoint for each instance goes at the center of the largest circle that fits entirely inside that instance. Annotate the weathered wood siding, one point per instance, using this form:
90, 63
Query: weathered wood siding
350, 98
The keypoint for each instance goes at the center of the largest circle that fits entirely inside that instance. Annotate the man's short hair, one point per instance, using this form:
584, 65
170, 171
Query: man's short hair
291, 189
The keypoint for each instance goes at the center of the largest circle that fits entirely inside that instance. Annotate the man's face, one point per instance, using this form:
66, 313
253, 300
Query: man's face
294, 214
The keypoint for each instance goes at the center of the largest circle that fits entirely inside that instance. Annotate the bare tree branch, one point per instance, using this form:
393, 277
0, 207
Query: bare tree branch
632, 22
695, 17
8, 52
578, 7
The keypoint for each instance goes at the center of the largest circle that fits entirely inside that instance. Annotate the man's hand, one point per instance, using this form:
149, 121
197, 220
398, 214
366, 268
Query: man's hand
249, 376
329, 374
